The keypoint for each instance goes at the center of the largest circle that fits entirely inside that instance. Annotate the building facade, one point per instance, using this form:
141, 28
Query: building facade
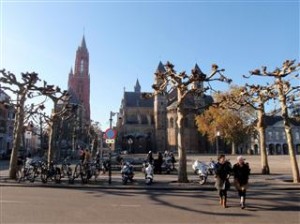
79, 81
7, 119
275, 136
150, 124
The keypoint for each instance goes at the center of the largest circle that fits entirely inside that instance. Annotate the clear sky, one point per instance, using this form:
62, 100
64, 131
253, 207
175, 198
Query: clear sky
127, 39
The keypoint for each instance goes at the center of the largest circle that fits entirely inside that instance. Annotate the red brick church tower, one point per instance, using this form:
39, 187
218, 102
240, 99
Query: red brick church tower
79, 81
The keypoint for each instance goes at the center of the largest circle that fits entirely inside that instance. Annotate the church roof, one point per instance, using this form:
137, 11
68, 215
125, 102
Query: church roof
160, 67
198, 68
135, 99
189, 101
272, 120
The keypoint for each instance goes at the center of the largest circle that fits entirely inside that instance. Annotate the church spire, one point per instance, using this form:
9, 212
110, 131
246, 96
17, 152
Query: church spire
71, 71
83, 44
137, 87
160, 67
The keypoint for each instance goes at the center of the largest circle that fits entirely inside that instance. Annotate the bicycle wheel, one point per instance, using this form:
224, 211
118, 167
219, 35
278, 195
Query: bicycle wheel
84, 174
30, 174
57, 175
44, 175
77, 171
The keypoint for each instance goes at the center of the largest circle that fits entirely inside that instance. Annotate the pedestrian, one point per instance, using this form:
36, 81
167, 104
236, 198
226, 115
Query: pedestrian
87, 156
173, 160
150, 157
82, 155
222, 173
241, 172
159, 162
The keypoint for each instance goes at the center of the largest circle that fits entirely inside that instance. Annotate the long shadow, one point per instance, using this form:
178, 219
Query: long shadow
279, 200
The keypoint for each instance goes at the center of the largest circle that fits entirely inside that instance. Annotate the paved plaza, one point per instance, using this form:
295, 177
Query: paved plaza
271, 199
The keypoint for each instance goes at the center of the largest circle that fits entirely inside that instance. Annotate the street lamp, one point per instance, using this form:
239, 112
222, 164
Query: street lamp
109, 154
217, 142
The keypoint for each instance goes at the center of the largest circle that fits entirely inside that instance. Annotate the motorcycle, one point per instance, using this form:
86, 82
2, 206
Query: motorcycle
211, 167
148, 173
127, 173
167, 165
201, 169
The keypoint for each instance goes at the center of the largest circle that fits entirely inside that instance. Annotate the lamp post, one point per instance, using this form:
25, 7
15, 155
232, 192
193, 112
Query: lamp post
109, 154
217, 142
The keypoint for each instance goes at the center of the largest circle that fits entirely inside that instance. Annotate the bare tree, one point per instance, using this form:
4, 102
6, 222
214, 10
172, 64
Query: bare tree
22, 89
285, 92
181, 83
62, 110
256, 97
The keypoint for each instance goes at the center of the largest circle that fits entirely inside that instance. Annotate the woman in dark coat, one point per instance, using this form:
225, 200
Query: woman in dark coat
222, 172
241, 172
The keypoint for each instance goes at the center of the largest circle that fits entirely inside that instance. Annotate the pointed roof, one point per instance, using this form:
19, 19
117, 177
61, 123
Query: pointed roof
198, 69
83, 44
160, 67
71, 71
137, 87
137, 84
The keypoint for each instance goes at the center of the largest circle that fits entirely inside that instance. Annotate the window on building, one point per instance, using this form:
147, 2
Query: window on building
186, 122
81, 65
270, 135
172, 122
277, 135
297, 135
283, 135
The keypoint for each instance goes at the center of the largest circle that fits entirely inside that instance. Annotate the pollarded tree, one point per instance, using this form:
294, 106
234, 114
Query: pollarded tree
285, 92
22, 89
62, 110
181, 83
256, 97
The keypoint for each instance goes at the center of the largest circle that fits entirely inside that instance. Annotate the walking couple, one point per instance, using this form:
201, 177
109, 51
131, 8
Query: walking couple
240, 172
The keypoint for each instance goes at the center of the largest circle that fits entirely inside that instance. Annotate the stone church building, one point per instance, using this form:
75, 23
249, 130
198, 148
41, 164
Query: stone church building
150, 124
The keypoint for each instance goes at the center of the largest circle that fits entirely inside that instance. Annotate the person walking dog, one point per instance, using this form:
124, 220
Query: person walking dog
241, 172
222, 173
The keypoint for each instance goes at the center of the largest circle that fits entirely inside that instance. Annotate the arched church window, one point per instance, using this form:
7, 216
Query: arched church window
81, 65
171, 122
186, 122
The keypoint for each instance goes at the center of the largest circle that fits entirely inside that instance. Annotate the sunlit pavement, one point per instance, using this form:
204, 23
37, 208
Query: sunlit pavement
271, 199
281, 177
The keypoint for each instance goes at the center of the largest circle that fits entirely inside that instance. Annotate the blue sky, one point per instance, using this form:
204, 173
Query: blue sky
127, 39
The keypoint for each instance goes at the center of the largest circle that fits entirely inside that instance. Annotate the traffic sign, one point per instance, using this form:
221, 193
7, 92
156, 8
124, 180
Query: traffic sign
110, 133
110, 141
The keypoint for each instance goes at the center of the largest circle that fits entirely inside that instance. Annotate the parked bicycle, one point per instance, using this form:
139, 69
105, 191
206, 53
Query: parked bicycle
50, 171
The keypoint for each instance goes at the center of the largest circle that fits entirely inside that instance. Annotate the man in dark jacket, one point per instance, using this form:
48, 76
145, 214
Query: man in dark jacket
222, 173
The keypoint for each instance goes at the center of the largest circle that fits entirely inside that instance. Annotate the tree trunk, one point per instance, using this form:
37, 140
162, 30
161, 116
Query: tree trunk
18, 132
288, 132
51, 143
233, 148
182, 171
262, 140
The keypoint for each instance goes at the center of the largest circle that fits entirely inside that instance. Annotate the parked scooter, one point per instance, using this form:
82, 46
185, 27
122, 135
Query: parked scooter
201, 169
212, 167
149, 173
127, 173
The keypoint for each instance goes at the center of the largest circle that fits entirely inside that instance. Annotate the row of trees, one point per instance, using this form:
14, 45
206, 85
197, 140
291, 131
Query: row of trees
231, 109
24, 89
239, 99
